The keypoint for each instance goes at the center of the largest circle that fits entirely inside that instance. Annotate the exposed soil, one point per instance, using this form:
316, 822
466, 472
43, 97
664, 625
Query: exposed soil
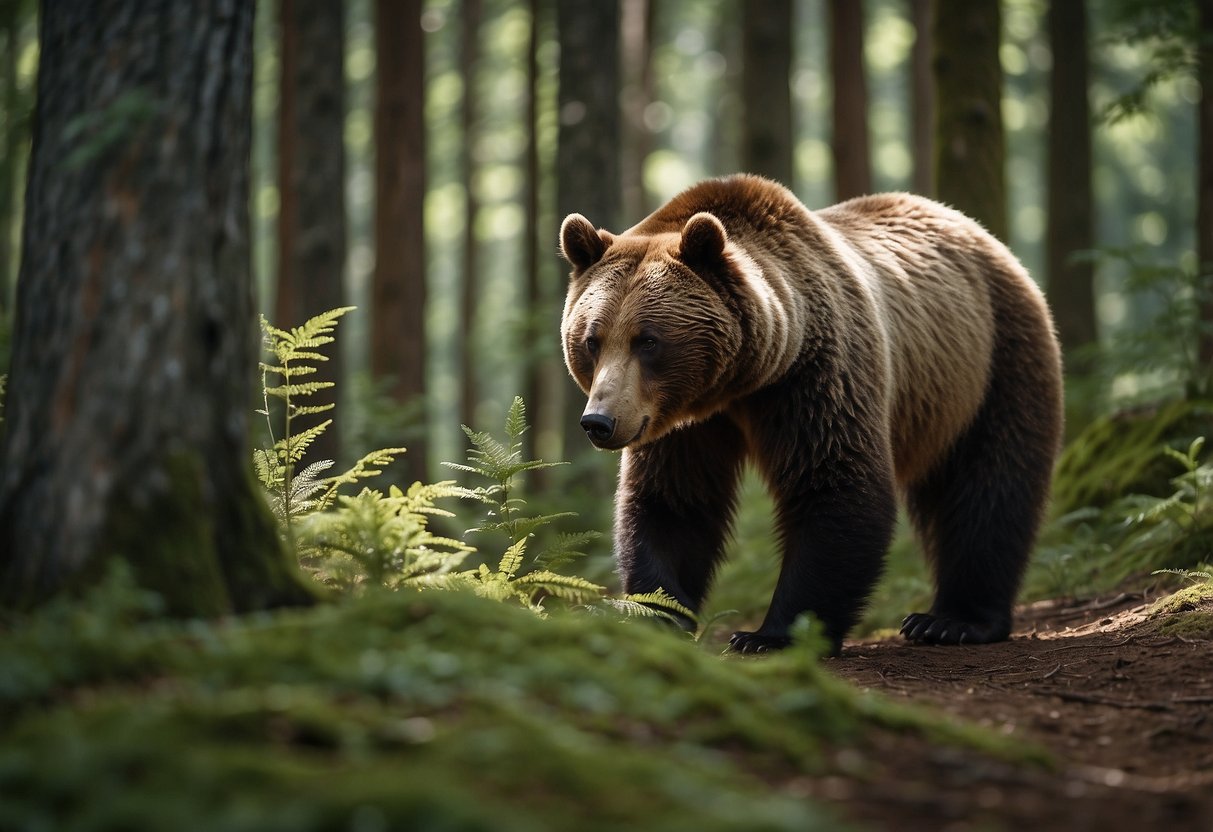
1124, 710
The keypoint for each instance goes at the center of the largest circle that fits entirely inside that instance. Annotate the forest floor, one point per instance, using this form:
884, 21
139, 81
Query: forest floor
1122, 706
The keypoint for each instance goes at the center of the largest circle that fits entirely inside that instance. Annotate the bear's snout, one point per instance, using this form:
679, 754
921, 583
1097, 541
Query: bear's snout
598, 427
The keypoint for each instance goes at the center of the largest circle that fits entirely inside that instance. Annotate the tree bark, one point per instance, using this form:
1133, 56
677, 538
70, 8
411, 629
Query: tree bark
968, 94
311, 184
1070, 215
852, 153
587, 153
135, 347
1204, 197
766, 32
398, 288
922, 99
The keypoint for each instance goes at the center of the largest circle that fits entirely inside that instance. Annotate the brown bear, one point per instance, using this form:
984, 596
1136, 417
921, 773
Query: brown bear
886, 344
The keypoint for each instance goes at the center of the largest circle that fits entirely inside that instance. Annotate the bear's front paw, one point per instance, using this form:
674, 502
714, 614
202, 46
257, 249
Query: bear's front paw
928, 628
743, 642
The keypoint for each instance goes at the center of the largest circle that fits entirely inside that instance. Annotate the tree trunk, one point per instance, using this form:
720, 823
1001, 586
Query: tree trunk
9, 147
398, 288
469, 60
968, 94
922, 99
766, 32
311, 183
852, 155
1204, 197
1070, 222
587, 153
636, 33
538, 329
135, 347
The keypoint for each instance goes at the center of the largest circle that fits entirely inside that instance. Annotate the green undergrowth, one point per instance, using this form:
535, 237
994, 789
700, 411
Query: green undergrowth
418, 710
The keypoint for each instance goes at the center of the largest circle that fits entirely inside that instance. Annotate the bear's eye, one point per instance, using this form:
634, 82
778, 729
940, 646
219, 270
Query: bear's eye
646, 344
592, 345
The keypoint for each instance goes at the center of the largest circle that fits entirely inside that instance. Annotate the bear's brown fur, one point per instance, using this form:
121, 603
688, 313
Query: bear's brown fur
884, 344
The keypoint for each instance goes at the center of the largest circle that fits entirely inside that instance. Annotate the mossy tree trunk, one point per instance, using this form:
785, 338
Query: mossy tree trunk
311, 184
969, 142
766, 89
398, 287
135, 345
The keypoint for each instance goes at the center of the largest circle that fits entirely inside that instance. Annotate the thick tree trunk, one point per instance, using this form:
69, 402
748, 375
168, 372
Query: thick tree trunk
398, 287
587, 154
968, 95
766, 32
135, 347
1070, 227
1204, 197
922, 99
852, 154
311, 183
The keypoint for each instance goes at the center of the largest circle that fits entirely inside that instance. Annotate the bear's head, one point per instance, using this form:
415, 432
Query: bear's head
650, 329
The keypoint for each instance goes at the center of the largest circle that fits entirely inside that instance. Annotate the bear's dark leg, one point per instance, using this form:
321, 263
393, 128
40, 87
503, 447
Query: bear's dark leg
978, 511
674, 510
835, 532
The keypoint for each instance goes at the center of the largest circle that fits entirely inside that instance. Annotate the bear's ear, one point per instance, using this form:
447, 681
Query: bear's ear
582, 244
703, 239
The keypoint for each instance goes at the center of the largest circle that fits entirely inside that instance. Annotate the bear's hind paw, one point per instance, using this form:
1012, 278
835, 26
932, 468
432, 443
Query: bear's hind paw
926, 628
745, 642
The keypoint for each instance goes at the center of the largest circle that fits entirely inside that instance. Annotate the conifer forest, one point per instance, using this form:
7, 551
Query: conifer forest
300, 525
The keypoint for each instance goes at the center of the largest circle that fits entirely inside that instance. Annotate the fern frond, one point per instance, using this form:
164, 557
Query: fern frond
515, 419
308, 388
568, 587
661, 600
567, 547
321, 324
511, 561
292, 448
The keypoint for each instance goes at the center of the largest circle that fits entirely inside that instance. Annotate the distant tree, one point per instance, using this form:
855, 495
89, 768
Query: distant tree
1070, 226
14, 135
587, 153
852, 154
469, 60
636, 35
398, 289
311, 179
969, 140
766, 32
1204, 193
131, 377
922, 99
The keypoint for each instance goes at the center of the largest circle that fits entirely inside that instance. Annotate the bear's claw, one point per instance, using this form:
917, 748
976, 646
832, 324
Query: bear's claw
745, 642
928, 628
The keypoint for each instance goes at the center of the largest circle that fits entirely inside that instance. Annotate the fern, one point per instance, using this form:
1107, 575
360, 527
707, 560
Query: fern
501, 462
659, 604
382, 540
296, 493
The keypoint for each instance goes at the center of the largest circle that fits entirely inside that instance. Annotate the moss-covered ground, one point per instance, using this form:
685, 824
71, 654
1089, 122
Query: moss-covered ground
408, 710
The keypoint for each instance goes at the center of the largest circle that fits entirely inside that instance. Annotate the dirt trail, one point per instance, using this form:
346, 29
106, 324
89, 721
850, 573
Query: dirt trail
1126, 713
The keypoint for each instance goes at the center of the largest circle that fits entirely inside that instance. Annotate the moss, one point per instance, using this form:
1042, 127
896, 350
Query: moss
207, 551
415, 710
163, 530
1122, 454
